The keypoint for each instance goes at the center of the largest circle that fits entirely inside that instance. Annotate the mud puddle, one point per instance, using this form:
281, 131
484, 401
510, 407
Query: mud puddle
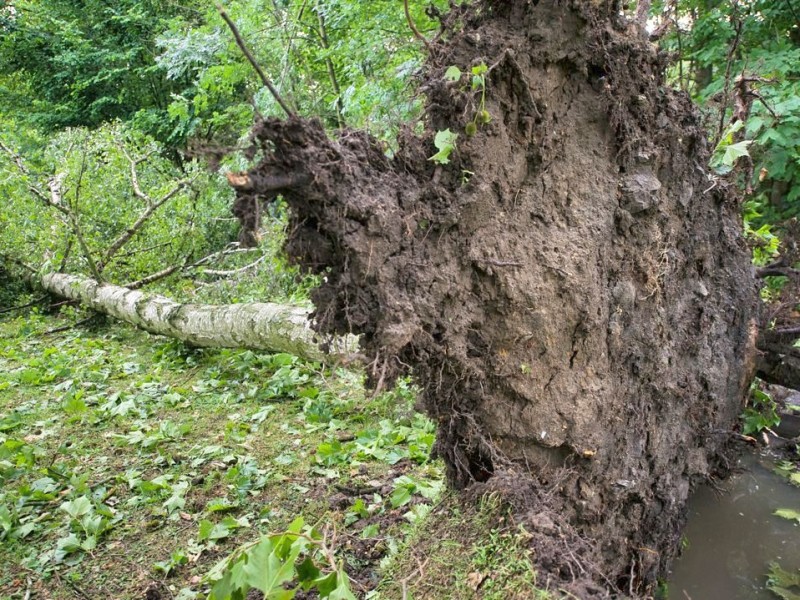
733, 537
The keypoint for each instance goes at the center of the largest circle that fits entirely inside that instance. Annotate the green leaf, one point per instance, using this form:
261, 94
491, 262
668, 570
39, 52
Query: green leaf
220, 505
370, 531
210, 531
226, 589
735, 151
10, 421
307, 572
401, 496
445, 142
6, 520
453, 73
480, 69
266, 572
780, 582
78, 507
326, 585
788, 513
342, 590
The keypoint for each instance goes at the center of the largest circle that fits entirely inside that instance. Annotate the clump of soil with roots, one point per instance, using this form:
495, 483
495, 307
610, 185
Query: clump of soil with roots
571, 291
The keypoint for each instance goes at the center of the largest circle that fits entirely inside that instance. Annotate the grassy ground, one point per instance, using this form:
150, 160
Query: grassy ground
130, 465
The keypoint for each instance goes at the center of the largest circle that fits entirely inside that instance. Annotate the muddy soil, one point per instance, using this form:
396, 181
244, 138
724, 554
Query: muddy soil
572, 290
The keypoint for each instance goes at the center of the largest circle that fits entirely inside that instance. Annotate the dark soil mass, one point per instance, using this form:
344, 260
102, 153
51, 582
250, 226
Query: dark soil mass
571, 290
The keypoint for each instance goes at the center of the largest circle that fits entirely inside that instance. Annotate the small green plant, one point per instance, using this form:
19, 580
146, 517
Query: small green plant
445, 142
782, 583
760, 414
727, 151
482, 116
177, 559
477, 84
279, 566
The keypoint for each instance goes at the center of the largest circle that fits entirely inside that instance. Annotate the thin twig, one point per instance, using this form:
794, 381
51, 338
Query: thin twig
126, 236
234, 271
738, 25
73, 325
55, 188
23, 306
264, 79
417, 34
323, 36
135, 285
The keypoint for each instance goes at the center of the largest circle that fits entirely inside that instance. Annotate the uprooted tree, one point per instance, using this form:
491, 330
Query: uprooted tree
565, 280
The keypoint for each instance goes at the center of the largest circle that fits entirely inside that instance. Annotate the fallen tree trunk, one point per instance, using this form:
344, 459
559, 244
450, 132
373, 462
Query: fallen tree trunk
257, 326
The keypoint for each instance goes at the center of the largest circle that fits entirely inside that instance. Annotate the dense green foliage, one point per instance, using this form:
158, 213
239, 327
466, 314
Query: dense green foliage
86, 86
91, 172
65, 63
716, 45
172, 70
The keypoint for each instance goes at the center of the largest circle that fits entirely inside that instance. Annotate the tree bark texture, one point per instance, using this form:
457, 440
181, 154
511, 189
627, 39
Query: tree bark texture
572, 290
258, 326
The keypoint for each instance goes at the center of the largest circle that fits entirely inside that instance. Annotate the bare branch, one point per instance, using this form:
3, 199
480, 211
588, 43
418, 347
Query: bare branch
777, 271
126, 236
413, 27
47, 199
234, 271
137, 190
264, 79
75, 221
23, 306
232, 249
135, 285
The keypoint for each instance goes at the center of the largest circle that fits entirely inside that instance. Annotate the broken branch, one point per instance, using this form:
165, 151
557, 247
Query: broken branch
264, 79
417, 34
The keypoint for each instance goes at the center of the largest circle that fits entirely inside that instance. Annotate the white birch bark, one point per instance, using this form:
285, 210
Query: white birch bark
257, 326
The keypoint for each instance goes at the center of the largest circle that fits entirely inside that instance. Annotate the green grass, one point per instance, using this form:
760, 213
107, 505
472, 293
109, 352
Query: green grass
129, 462
462, 550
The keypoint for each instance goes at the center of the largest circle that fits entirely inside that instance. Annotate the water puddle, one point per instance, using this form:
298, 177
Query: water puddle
732, 537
